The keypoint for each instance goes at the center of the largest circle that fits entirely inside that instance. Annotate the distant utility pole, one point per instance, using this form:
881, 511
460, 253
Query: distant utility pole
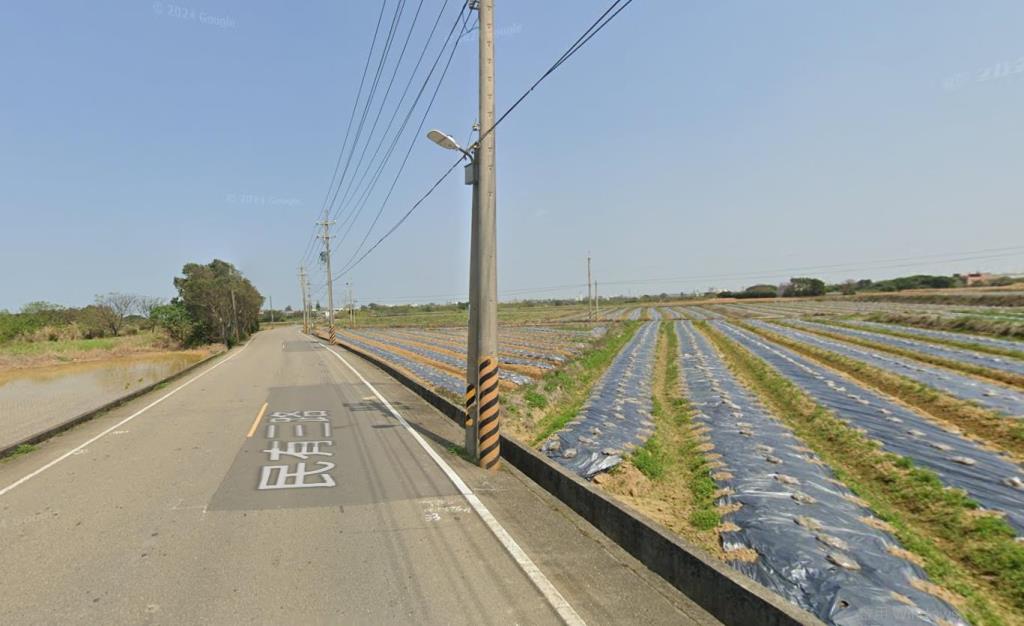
350, 306
234, 315
597, 303
305, 306
309, 305
326, 256
590, 292
271, 309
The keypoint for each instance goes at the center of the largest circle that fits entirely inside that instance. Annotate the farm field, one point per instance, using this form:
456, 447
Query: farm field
436, 357
855, 467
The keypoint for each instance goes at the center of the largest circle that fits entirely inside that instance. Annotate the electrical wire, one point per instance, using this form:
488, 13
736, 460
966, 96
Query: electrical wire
408, 152
346, 198
603, 20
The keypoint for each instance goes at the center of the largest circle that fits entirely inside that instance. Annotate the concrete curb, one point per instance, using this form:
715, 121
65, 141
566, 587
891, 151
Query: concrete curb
728, 595
43, 435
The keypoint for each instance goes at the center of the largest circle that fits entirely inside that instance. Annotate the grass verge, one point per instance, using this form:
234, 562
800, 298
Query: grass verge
676, 488
1008, 378
967, 324
966, 344
23, 449
973, 557
564, 391
982, 424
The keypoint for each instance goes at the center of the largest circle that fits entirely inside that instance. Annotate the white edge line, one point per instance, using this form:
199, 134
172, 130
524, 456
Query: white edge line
557, 601
80, 447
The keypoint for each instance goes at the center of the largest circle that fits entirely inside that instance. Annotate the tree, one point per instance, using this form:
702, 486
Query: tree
113, 308
147, 304
175, 320
804, 287
40, 306
223, 304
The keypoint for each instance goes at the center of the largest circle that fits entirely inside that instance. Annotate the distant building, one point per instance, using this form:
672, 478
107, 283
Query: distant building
977, 278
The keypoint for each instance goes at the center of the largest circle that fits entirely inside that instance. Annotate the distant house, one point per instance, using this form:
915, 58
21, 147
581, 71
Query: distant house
977, 278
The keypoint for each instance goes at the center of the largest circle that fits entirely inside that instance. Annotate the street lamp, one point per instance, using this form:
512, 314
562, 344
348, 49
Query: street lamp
472, 438
447, 142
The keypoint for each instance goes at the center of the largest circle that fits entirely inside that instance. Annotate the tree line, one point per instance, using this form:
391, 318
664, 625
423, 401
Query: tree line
215, 304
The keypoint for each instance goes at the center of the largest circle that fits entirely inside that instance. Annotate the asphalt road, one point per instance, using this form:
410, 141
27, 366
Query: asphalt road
290, 482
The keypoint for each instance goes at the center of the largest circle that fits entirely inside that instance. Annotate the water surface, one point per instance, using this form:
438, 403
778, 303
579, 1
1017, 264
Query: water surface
34, 399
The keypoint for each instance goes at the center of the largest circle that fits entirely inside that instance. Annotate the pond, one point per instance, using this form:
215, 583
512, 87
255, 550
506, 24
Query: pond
34, 399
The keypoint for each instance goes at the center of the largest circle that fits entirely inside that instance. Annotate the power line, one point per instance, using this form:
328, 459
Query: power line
348, 129
355, 105
387, 93
587, 35
582, 40
408, 152
399, 6
378, 170
401, 221
953, 257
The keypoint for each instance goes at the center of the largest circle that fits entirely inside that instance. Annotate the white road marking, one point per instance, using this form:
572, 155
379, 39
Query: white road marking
553, 596
81, 448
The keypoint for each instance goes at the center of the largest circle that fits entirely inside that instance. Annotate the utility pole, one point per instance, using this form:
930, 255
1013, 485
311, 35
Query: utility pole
350, 305
590, 292
309, 305
597, 303
326, 256
305, 309
271, 309
483, 410
482, 367
234, 315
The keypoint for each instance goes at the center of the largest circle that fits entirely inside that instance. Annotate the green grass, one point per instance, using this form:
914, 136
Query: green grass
673, 456
22, 449
1002, 376
21, 348
972, 323
966, 344
985, 424
576, 382
534, 399
971, 555
28, 348
651, 458
459, 451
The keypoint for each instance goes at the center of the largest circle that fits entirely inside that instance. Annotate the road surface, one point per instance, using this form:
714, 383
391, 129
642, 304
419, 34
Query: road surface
290, 482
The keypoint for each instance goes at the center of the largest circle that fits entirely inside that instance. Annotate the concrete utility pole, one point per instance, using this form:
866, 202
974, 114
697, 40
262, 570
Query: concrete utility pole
326, 237
590, 292
483, 409
271, 309
305, 307
487, 407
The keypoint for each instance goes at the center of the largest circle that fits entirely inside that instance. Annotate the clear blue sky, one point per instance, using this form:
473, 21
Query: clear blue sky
709, 143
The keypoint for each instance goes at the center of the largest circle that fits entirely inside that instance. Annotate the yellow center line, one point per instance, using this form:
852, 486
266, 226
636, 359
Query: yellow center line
255, 424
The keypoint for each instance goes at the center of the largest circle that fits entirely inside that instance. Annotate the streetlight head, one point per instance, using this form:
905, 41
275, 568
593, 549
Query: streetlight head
443, 140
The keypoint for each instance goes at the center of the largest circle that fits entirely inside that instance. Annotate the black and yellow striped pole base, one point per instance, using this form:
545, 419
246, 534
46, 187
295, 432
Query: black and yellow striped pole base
489, 412
332, 335
470, 401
